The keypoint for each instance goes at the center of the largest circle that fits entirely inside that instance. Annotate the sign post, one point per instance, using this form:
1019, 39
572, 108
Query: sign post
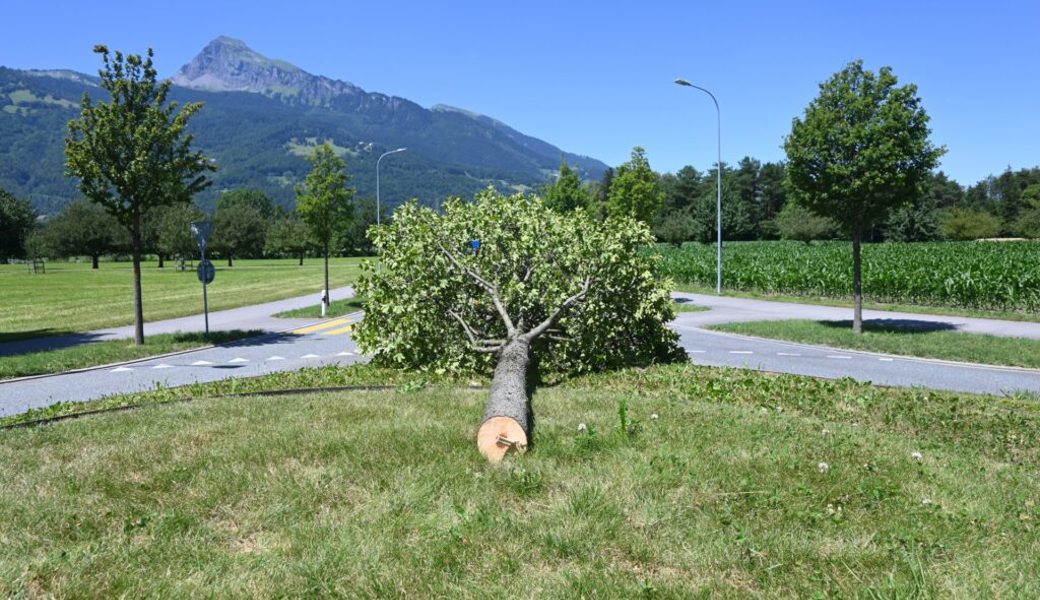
206, 271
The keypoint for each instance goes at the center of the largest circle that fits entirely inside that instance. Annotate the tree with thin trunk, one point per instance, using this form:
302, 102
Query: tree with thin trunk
324, 201
507, 285
861, 150
132, 153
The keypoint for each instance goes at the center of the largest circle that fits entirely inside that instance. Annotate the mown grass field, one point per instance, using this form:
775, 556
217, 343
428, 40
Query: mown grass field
73, 297
382, 494
989, 276
895, 339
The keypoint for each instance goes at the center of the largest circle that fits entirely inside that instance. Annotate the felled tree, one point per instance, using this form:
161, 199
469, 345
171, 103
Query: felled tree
506, 283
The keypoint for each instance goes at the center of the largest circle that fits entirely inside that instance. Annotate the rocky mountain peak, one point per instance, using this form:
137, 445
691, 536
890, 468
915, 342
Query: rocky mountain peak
229, 65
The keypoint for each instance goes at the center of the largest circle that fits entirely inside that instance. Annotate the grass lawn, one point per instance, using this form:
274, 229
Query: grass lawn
907, 308
382, 494
73, 297
103, 353
900, 339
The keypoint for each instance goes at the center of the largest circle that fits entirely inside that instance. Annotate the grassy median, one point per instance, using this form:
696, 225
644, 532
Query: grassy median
710, 482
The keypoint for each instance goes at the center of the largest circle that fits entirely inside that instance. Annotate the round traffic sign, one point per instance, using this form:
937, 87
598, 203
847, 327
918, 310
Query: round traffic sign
206, 272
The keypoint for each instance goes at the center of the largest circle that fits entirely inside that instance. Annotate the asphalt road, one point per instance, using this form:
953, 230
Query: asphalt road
325, 342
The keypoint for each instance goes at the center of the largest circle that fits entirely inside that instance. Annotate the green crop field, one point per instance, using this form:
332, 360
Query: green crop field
1002, 276
73, 297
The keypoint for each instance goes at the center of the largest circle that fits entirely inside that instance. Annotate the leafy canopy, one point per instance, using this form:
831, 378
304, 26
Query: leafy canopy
634, 190
324, 200
861, 149
132, 153
17, 220
566, 194
427, 309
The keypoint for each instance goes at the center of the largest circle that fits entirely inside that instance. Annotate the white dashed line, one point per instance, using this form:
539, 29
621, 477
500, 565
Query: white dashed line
787, 354
741, 352
886, 359
310, 356
838, 356
696, 351
200, 363
345, 354
121, 370
163, 366
238, 359
276, 358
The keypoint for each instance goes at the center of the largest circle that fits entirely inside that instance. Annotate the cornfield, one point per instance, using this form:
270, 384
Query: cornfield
980, 275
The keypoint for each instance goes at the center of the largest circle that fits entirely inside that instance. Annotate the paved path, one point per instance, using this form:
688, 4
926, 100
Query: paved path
329, 341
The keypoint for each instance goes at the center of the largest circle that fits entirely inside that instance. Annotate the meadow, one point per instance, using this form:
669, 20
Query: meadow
74, 297
676, 481
993, 276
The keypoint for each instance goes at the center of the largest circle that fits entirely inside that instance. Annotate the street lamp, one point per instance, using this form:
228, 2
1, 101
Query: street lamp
718, 207
378, 160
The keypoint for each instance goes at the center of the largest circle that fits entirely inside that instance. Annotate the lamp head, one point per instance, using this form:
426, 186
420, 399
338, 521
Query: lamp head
683, 82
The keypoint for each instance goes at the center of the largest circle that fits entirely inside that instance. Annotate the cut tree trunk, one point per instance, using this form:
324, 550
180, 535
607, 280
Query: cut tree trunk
506, 425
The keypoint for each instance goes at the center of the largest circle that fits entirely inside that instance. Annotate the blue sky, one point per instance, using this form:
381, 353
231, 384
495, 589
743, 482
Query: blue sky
595, 78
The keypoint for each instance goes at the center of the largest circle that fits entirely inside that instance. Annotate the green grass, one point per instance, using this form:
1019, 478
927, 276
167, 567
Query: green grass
382, 494
868, 304
337, 308
908, 339
73, 297
102, 353
685, 305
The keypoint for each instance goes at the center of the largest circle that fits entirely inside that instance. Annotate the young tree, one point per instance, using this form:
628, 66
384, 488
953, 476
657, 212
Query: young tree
964, 224
173, 235
324, 201
566, 194
17, 220
504, 282
132, 153
797, 223
861, 149
634, 191
83, 229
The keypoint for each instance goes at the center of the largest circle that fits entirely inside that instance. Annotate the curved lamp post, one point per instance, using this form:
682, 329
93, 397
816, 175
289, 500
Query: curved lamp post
378, 160
718, 207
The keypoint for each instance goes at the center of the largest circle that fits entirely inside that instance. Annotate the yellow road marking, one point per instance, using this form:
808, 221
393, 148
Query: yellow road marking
320, 326
339, 331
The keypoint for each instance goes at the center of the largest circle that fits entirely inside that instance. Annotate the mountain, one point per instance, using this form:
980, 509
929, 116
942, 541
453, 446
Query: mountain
262, 117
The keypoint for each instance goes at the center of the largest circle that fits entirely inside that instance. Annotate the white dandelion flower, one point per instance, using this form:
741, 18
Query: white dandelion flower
917, 456
823, 467
582, 427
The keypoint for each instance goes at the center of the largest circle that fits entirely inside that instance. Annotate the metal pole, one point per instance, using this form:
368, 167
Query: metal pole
379, 160
205, 299
718, 200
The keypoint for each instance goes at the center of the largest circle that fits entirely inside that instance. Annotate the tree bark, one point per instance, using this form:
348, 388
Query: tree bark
325, 297
229, 261
507, 421
161, 261
135, 241
93, 261
301, 259
857, 282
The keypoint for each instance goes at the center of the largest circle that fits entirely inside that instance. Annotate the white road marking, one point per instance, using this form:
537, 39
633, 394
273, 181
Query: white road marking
163, 366
839, 356
238, 359
120, 370
886, 359
276, 358
741, 352
787, 354
310, 356
199, 363
696, 351
345, 354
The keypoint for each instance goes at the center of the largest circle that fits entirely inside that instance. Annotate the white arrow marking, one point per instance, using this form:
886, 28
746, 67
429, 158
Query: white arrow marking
199, 363
238, 359
121, 369
163, 366
276, 358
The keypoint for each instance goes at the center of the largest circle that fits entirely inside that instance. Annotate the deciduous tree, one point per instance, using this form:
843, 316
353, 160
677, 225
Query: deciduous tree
634, 190
506, 283
83, 229
17, 220
566, 194
324, 201
860, 150
132, 153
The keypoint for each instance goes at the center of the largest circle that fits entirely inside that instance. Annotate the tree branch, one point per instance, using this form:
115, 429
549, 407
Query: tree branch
488, 287
480, 345
542, 327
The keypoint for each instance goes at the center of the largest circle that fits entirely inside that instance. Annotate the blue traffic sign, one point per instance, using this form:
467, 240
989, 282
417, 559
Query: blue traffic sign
206, 272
